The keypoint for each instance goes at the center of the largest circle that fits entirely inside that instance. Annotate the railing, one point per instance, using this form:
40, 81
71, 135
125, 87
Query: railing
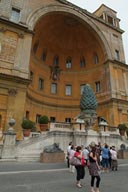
108, 128
71, 126
61, 125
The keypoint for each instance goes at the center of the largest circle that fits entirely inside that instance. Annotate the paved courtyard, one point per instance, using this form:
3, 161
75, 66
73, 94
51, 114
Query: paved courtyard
39, 177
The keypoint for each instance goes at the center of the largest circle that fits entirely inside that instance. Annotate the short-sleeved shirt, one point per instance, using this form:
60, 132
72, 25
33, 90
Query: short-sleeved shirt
105, 153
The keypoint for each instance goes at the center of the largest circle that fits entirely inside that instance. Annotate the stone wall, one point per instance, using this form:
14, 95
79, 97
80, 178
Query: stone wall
30, 150
55, 157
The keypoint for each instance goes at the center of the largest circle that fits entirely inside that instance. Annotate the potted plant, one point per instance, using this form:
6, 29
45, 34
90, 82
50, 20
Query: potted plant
122, 129
43, 121
27, 126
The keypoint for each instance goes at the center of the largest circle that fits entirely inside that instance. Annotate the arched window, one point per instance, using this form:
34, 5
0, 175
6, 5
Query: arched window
117, 55
31, 75
44, 55
97, 86
56, 60
82, 62
27, 114
68, 63
95, 58
35, 47
40, 83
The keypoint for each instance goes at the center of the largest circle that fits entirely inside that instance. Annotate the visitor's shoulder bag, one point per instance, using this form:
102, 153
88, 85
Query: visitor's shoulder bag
75, 161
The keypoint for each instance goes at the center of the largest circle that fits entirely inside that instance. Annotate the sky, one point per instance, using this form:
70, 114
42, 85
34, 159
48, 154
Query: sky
120, 6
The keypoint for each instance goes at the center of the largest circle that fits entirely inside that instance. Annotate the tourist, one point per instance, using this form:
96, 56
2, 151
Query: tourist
105, 158
98, 151
110, 159
67, 157
114, 163
71, 154
94, 169
80, 169
85, 153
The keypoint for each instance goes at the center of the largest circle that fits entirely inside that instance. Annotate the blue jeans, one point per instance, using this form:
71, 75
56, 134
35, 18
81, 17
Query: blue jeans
105, 162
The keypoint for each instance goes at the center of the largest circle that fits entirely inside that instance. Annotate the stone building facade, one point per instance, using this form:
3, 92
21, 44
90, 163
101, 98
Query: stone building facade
49, 49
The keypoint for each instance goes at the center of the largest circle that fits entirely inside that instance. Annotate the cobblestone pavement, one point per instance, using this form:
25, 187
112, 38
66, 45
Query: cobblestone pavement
38, 177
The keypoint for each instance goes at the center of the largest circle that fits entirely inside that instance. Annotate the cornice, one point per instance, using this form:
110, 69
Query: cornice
116, 62
113, 100
14, 79
91, 15
51, 104
16, 25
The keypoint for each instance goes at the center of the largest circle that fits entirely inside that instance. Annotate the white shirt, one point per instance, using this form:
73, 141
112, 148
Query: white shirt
71, 153
85, 153
68, 148
113, 154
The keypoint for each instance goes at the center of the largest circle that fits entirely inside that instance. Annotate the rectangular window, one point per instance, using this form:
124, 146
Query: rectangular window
68, 120
53, 88
52, 119
27, 114
117, 55
68, 90
37, 118
98, 86
41, 84
15, 15
110, 20
68, 65
82, 88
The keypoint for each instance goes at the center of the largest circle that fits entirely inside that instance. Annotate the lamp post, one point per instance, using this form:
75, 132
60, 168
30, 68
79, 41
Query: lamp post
102, 126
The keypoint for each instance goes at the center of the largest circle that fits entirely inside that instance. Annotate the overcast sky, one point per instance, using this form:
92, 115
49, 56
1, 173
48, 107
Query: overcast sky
120, 6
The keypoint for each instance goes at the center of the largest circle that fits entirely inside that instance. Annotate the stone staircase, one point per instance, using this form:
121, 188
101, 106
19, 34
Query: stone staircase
31, 148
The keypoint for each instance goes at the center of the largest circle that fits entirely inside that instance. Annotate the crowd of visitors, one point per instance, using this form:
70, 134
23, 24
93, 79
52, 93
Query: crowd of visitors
96, 158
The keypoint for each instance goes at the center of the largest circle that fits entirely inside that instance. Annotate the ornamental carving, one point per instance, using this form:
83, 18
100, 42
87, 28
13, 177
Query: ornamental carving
55, 72
12, 92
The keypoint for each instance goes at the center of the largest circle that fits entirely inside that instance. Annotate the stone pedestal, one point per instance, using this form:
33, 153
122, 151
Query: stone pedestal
55, 157
8, 151
123, 154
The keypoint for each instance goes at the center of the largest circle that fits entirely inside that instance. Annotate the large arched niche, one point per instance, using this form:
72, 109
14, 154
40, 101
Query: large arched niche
63, 32
65, 35
40, 14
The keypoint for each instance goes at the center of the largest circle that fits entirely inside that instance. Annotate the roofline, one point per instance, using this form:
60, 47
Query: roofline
105, 6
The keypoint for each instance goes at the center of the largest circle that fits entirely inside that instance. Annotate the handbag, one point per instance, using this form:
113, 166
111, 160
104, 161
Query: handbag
75, 161
99, 170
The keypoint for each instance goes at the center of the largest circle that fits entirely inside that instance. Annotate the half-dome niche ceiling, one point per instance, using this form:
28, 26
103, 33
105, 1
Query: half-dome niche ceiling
65, 35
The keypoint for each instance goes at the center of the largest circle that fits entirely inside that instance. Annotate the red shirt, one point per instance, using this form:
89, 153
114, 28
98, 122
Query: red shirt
76, 154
